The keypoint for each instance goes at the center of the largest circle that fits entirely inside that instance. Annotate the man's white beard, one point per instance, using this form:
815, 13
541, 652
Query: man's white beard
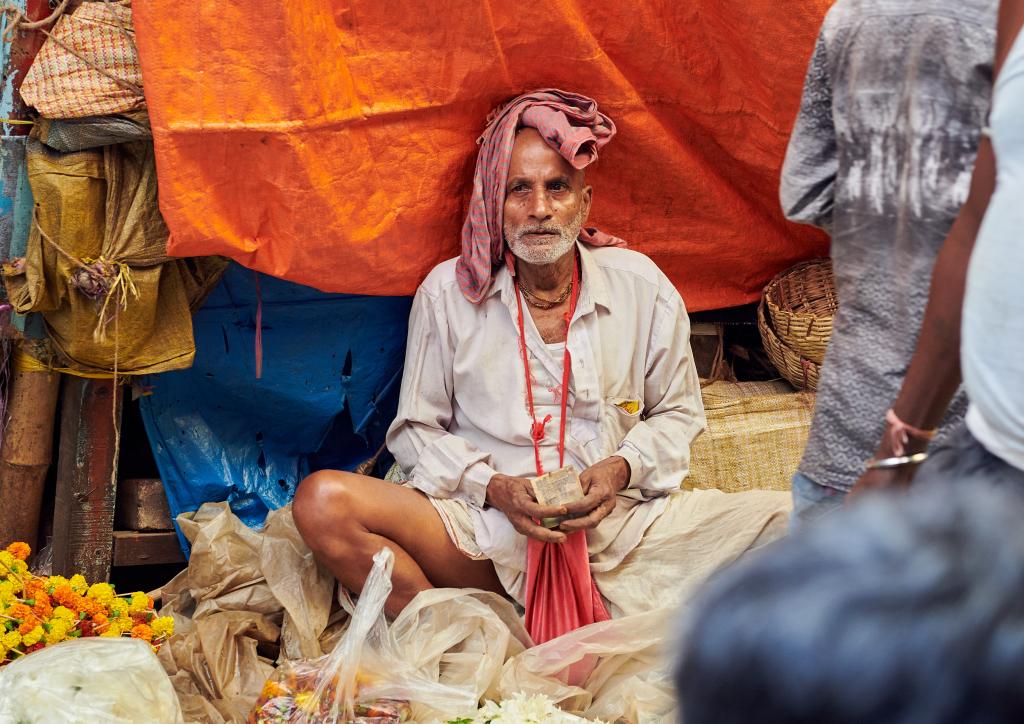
550, 251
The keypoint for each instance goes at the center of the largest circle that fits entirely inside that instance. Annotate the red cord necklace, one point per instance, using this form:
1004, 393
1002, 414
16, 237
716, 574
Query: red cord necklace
537, 429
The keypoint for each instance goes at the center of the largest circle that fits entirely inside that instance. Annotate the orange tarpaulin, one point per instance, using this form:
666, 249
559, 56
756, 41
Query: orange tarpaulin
332, 142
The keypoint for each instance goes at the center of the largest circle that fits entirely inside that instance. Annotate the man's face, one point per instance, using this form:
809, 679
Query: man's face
546, 201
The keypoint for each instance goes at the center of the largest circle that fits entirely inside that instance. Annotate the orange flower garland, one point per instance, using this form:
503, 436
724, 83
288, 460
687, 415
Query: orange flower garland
37, 612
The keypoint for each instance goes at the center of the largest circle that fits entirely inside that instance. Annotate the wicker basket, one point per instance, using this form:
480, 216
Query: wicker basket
801, 302
801, 372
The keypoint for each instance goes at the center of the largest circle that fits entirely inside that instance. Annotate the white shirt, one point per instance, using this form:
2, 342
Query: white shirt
992, 346
463, 414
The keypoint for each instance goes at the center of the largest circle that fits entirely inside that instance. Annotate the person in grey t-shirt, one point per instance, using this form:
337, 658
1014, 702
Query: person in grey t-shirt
894, 103
974, 322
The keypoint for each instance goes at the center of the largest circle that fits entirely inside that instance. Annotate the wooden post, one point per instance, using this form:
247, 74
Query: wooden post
83, 521
26, 453
19, 56
28, 425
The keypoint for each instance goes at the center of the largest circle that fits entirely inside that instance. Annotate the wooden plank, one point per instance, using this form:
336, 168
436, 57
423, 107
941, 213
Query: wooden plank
134, 548
83, 521
142, 505
26, 453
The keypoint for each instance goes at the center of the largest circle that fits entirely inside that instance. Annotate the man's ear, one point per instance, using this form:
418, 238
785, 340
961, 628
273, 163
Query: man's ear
588, 195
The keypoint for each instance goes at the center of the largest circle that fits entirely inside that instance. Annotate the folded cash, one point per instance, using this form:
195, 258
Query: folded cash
559, 487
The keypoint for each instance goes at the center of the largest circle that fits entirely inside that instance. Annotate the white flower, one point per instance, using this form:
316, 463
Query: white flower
523, 709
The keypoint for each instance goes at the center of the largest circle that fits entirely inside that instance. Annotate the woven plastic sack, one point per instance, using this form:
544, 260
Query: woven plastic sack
78, 134
755, 436
96, 680
96, 267
365, 679
89, 67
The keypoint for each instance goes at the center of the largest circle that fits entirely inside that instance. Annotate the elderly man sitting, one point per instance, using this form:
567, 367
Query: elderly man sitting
545, 343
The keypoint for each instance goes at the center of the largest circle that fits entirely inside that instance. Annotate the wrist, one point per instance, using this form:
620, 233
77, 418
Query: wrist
490, 494
897, 461
913, 415
623, 471
911, 447
634, 464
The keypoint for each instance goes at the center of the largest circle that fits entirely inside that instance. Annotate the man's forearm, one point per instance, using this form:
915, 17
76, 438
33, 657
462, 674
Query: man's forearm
934, 373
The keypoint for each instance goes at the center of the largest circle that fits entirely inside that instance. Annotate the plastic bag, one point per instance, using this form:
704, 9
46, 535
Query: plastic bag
460, 636
364, 679
290, 696
629, 665
95, 680
244, 594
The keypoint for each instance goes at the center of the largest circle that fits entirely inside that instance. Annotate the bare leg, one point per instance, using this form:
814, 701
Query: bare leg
347, 518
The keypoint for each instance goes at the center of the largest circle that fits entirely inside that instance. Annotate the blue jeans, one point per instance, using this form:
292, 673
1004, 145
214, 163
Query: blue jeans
812, 501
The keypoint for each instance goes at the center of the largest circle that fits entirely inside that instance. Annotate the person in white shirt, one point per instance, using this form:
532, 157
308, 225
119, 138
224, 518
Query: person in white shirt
468, 419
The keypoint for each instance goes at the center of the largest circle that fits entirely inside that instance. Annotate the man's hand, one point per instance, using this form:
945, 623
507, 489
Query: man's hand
601, 482
514, 497
887, 478
895, 478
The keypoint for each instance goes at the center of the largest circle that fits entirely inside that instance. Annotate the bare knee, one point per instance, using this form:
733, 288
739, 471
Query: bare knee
326, 507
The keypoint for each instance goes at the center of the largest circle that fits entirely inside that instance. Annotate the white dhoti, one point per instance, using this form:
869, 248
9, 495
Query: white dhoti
638, 564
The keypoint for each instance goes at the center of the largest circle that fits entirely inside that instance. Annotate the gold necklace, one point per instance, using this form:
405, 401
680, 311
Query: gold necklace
540, 303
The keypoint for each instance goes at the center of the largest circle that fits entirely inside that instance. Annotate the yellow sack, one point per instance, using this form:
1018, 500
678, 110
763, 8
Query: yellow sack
96, 265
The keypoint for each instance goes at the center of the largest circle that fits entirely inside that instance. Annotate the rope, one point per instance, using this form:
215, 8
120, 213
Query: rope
115, 394
122, 286
17, 20
22, 361
91, 278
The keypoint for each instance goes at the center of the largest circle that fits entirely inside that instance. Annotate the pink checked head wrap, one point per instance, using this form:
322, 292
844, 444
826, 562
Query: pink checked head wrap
571, 125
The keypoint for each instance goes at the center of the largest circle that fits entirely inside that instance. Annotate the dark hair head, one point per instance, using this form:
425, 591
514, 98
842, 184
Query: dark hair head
904, 608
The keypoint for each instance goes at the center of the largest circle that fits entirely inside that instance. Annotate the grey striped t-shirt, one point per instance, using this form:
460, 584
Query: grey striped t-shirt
895, 98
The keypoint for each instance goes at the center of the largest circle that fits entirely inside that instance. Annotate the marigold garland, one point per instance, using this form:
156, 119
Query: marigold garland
36, 612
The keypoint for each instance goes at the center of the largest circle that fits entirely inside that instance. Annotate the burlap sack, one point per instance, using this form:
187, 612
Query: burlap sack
755, 436
74, 73
98, 241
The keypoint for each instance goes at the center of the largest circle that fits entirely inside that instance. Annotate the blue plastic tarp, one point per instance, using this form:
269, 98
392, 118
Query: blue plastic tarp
16, 204
331, 374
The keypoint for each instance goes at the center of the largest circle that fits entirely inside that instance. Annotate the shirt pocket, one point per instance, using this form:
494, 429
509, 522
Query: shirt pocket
620, 415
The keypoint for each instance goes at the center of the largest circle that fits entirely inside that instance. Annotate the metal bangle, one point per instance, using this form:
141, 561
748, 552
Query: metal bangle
897, 462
